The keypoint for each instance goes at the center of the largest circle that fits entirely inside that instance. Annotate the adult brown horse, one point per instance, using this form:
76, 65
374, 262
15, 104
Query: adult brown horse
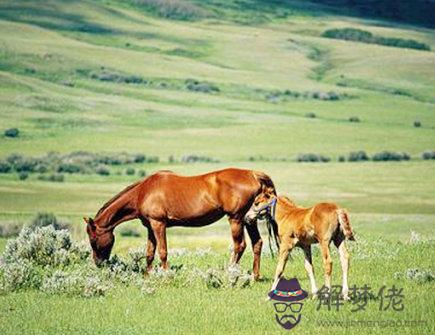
166, 199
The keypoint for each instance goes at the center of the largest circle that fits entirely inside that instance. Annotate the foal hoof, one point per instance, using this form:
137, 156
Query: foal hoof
346, 297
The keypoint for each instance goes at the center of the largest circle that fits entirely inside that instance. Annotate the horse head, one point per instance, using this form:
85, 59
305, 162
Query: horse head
101, 241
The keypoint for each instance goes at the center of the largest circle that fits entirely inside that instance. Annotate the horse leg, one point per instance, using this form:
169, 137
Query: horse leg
309, 268
344, 260
159, 229
151, 245
327, 262
151, 248
239, 243
257, 243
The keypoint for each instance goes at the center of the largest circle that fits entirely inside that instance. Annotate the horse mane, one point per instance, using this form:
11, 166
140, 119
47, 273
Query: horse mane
116, 197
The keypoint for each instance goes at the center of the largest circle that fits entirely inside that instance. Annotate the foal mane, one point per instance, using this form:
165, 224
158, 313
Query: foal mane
287, 200
116, 197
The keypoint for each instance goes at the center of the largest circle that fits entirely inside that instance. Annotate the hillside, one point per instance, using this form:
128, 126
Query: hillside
116, 76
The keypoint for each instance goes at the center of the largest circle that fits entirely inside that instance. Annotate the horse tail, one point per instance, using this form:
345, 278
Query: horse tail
343, 220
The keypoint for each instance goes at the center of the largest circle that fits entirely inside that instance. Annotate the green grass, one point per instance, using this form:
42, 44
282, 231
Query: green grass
248, 50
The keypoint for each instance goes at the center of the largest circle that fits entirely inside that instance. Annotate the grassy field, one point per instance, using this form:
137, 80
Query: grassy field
108, 76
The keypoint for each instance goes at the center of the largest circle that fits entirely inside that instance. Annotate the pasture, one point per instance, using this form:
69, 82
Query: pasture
241, 89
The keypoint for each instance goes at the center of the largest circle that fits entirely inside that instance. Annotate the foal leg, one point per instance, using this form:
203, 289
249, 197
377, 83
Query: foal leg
309, 268
284, 251
344, 260
257, 243
327, 263
159, 229
239, 243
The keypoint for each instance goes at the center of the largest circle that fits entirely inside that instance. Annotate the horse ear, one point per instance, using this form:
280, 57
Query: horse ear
90, 222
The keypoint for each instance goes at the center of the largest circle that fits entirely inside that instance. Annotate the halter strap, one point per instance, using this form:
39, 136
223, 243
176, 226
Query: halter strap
270, 207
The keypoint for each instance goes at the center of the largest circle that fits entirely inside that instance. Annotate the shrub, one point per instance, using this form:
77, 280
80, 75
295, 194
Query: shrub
198, 86
10, 229
23, 175
312, 158
102, 170
357, 156
129, 231
390, 156
352, 34
173, 9
417, 124
12, 132
341, 158
139, 158
310, 115
70, 168
152, 159
47, 219
130, 171
106, 75
428, 155
141, 173
197, 159
354, 119
5, 167
58, 178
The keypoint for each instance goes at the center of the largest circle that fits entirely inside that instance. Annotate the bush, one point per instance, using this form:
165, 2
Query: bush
428, 155
12, 132
173, 9
129, 231
198, 159
130, 171
5, 167
47, 219
139, 158
70, 168
312, 158
354, 119
352, 34
390, 156
341, 158
10, 229
310, 115
102, 170
198, 86
357, 156
417, 124
23, 175
141, 173
57, 178
106, 75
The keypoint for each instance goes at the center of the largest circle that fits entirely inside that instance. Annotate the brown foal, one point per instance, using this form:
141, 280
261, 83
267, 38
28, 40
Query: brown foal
166, 199
301, 227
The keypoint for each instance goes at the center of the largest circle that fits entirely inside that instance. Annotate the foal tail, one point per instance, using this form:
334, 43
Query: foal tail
343, 220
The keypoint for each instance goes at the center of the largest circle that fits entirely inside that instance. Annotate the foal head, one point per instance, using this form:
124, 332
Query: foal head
261, 204
101, 242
